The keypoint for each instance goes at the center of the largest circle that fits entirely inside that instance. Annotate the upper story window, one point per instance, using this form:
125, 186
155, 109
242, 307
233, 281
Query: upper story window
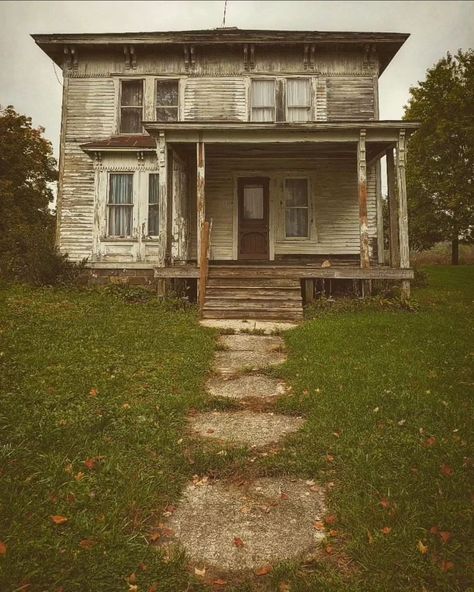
131, 107
298, 100
263, 100
296, 208
120, 204
167, 100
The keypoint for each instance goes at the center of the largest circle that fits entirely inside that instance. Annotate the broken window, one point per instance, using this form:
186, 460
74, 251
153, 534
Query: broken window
120, 204
131, 107
298, 100
153, 204
263, 100
296, 208
167, 100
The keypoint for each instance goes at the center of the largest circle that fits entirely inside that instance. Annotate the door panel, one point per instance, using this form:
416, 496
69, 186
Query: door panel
253, 218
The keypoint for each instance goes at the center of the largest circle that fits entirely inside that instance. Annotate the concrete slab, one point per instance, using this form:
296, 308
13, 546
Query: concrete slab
258, 343
228, 363
245, 427
238, 325
234, 528
246, 386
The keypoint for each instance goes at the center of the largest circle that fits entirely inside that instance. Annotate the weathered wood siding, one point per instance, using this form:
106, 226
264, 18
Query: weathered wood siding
215, 98
350, 97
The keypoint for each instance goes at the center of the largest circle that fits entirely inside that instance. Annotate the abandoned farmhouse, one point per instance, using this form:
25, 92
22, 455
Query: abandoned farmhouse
246, 161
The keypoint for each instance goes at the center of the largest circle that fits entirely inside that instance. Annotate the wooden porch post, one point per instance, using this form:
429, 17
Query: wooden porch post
200, 193
403, 212
393, 211
378, 189
163, 205
362, 187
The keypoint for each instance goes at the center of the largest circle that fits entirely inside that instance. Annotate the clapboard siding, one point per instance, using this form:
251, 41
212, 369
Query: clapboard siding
334, 203
350, 98
215, 98
89, 115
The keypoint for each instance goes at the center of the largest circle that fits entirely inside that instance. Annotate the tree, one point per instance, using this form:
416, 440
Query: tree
27, 225
440, 167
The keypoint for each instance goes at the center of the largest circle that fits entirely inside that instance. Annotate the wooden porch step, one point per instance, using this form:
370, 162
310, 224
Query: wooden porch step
274, 314
249, 292
255, 282
248, 304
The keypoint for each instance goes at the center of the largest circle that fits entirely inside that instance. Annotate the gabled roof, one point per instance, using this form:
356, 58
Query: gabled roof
386, 44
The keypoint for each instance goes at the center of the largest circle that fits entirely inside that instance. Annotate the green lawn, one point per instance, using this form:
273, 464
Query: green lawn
92, 413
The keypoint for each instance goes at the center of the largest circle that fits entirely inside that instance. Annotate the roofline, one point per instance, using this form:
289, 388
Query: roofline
248, 125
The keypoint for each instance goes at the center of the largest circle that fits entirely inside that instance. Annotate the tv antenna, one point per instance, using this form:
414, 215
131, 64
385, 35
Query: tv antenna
225, 11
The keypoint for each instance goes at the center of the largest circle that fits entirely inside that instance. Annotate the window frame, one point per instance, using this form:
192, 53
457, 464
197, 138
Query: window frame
274, 107
109, 205
309, 107
155, 97
120, 107
308, 208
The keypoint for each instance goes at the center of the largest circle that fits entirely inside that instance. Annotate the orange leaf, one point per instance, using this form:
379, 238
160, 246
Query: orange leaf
423, 549
386, 530
59, 519
446, 565
94, 392
143, 566
330, 519
284, 496
132, 578
434, 530
154, 537
445, 536
330, 458
80, 476
333, 533
319, 526
446, 470
263, 571
238, 542
329, 549
87, 544
384, 503
431, 441
90, 463
3, 548
219, 583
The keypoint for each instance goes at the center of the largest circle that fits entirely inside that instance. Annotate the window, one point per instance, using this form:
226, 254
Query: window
167, 100
153, 204
131, 107
253, 202
296, 208
263, 100
120, 204
298, 99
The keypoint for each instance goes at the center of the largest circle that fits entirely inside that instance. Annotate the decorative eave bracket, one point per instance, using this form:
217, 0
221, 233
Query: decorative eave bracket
249, 56
70, 58
309, 54
189, 57
130, 57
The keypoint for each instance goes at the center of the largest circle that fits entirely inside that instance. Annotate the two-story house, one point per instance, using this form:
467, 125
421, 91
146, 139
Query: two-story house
274, 136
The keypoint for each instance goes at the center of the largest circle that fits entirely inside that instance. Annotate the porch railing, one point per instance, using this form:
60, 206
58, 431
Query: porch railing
206, 229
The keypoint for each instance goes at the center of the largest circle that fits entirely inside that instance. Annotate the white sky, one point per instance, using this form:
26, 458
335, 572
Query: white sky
28, 81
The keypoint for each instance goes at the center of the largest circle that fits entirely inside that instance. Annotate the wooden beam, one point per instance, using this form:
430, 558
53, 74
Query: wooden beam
200, 192
403, 211
379, 206
163, 190
363, 215
394, 248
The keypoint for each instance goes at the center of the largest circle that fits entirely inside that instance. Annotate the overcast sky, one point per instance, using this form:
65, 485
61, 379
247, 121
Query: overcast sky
29, 83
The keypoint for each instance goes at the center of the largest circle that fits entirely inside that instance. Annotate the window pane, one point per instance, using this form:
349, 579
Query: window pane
297, 114
296, 222
121, 189
253, 203
153, 204
167, 114
132, 93
262, 114
296, 191
297, 92
263, 93
131, 120
167, 93
120, 220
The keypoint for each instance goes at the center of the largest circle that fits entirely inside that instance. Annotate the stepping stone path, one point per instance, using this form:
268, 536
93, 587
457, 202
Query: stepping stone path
233, 526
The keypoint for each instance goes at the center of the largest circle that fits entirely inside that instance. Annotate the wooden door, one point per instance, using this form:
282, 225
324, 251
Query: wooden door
253, 218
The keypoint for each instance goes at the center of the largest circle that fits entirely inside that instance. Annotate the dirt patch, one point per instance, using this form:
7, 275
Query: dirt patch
234, 528
246, 386
245, 427
256, 343
230, 363
238, 325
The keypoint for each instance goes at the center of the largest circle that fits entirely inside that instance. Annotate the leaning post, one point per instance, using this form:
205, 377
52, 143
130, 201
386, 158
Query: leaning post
403, 211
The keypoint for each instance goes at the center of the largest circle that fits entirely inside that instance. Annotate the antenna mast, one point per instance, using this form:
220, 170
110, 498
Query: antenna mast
225, 10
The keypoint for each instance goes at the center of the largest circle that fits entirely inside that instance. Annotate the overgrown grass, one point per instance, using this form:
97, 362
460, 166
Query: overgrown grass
387, 397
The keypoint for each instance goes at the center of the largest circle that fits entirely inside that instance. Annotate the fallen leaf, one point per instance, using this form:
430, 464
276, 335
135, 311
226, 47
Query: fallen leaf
386, 529
154, 537
319, 526
152, 589
93, 392
370, 538
431, 441
87, 543
170, 509
132, 588
330, 519
329, 549
200, 572
80, 476
219, 583
238, 542
446, 565
330, 458
336, 434
3, 548
446, 470
59, 519
284, 587
445, 536
263, 571
434, 530
90, 463
284, 496
143, 566
423, 549
384, 503
132, 578
210, 431
68, 468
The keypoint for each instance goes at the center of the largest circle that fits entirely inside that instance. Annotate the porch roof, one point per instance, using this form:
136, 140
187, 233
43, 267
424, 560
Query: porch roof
253, 132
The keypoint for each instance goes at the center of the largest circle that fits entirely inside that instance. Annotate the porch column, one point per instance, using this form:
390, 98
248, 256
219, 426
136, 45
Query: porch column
200, 193
403, 211
393, 211
163, 192
362, 188
379, 203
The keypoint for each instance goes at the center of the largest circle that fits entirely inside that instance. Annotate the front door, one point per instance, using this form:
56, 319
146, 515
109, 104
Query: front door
253, 218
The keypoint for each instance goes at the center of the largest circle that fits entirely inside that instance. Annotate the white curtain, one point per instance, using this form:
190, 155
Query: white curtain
253, 203
263, 100
296, 212
120, 204
298, 99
